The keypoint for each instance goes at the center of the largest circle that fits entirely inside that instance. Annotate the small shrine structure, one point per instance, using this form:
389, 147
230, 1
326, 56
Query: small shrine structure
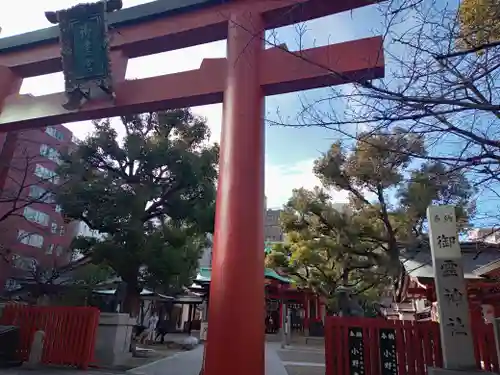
414, 296
304, 305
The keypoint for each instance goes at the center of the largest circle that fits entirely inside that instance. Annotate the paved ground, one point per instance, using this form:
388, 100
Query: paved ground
297, 354
295, 360
185, 363
302, 360
189, 363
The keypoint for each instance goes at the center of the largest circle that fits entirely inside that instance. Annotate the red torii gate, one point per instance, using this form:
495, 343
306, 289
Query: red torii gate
241, 81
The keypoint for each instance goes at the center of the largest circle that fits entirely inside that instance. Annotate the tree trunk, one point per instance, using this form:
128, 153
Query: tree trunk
132, 301
343, 296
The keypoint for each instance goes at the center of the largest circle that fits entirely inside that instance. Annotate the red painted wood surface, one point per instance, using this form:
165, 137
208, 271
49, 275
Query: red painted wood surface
418, 345
70, 332
238, 219
284, 73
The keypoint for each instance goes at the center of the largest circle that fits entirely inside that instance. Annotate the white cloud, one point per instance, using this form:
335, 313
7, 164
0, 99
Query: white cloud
28, 15
282, 179
213, 114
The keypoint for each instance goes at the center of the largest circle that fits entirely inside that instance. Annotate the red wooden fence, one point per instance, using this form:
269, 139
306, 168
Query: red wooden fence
70, 332
484, 346
417, 345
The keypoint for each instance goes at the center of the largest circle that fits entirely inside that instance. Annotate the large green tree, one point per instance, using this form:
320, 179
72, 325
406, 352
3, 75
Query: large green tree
390, 190
325, 249
359, 246
151, 195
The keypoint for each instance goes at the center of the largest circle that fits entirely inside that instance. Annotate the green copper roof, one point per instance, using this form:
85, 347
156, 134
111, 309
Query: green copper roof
205, 274
128, 16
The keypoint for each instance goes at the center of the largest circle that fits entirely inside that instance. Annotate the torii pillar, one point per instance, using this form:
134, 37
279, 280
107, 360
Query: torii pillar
235, 343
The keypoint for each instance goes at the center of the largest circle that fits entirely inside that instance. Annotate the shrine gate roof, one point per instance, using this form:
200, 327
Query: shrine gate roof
279, 13
125, 17
418, 261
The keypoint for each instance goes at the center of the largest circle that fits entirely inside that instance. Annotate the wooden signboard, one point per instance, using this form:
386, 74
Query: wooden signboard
356, 351
387, 345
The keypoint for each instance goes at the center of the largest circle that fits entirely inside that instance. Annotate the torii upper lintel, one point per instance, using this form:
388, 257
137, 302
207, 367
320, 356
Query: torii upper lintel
359, 59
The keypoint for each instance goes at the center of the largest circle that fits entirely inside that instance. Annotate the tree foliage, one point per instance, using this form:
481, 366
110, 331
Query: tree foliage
151, 196
358, 245
325, 247
479, 22
388, 193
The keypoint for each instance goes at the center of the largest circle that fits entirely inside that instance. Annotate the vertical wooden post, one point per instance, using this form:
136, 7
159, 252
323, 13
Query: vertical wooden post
10, 84
318, 307
190, 318
280, 301
307, 312
236, 332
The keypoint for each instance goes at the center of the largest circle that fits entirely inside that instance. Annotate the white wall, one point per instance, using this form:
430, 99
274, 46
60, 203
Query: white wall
490, 235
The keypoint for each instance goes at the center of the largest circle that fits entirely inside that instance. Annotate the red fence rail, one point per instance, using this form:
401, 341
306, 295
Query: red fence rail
416, 345
70, 332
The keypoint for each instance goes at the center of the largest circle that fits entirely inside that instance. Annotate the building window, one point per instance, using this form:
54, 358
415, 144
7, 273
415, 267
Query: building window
53, 132
58, 208
39, 193
46, 174
50, 249
53, 228
12, 285
61, 230
31, 239
24, 263
50, 153
36, 216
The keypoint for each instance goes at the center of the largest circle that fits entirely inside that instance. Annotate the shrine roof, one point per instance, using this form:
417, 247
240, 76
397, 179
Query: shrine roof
418, 261
205, 275
145, 293
124, 17
492, 269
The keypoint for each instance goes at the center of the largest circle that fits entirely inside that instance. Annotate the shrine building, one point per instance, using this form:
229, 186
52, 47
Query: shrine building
414, 297
304, 305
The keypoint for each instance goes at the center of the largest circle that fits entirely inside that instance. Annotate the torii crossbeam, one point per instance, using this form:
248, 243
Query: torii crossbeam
236, 329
